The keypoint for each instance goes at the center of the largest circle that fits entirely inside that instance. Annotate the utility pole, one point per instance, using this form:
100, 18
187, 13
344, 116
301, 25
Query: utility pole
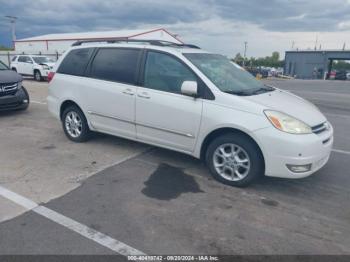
13, 26
316, 42
245, 52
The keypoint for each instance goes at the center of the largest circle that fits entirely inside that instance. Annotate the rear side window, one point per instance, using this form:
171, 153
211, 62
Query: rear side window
75, 62
24, 59
118, 65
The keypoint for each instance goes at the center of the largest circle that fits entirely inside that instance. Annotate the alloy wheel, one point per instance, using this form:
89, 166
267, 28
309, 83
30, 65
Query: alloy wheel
231, 162
73, 124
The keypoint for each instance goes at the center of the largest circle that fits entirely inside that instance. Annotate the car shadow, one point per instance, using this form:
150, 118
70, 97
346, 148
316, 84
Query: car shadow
11, 113
197, 168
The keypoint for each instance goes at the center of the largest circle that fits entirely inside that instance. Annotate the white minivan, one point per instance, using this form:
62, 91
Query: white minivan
188, 100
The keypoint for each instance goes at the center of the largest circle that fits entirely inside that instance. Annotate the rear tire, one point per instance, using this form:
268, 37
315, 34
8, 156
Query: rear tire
14, 69
235, 160
75, 125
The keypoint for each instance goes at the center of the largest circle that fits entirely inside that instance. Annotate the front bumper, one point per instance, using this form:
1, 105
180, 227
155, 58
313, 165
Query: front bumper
45, 73
19, 100
281, 149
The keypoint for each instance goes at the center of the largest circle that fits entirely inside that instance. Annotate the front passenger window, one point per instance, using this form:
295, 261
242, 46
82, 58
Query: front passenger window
165, 73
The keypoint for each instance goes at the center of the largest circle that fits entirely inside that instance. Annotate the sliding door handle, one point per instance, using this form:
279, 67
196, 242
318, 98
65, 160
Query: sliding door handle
129, 92
144, 95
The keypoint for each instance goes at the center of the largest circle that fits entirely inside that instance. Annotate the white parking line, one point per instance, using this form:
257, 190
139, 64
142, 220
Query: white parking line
85, 231
341, 151
37, 102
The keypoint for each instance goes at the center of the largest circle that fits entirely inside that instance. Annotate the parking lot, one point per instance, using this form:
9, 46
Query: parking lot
115, 196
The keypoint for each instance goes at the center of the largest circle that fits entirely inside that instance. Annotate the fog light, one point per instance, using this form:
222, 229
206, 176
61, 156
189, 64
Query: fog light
25, 101
299, 168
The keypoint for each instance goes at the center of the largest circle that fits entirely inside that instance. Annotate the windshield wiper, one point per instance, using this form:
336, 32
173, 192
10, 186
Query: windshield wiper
263, 90
239, 93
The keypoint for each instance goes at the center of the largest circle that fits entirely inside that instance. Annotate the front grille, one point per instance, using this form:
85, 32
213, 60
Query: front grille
8, 89
320, 128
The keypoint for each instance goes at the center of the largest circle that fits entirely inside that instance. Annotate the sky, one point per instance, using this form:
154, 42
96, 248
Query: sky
220, 26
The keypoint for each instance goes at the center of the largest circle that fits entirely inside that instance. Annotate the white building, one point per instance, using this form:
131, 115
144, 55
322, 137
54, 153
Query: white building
58, 43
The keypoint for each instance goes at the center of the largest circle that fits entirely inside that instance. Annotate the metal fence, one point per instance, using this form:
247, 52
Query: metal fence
6, 56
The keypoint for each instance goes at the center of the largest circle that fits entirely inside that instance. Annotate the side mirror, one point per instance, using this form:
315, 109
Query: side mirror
189, 88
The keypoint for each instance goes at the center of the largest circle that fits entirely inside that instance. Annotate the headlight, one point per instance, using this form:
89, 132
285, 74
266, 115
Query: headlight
287, 123
45, 67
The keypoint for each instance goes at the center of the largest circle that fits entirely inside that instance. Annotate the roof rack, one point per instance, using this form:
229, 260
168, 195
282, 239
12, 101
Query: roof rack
126, 40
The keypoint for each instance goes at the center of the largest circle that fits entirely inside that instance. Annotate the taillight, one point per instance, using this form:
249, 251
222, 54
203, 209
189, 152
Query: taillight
50, 76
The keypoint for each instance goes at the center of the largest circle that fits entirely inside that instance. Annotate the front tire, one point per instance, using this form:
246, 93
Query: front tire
235, 160
75, 125
37, 76
28, 99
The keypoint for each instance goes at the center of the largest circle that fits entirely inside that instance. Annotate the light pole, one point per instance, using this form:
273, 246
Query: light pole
245, 52
13, 26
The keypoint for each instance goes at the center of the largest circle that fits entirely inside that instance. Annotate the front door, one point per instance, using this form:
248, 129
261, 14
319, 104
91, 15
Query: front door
163, 115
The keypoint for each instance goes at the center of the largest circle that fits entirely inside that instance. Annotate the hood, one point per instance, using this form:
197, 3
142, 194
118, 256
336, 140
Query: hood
49, 64
9, 76
290, 104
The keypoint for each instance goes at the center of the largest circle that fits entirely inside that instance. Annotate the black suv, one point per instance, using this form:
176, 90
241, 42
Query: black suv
13, 96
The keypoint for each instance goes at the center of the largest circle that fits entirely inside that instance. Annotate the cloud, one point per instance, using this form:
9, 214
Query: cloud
222, 24
275, 15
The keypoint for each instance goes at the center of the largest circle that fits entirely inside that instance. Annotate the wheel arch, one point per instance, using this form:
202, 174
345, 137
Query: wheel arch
66, 104
223, 131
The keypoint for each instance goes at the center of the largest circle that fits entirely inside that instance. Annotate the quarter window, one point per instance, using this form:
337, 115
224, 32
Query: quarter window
75, 62
165, 73
24, 59
116, 64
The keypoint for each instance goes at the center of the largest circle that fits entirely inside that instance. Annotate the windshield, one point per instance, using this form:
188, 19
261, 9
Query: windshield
226, 75
3, 66
42, 59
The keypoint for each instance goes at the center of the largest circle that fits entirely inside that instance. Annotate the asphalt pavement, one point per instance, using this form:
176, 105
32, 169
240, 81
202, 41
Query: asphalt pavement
155, 201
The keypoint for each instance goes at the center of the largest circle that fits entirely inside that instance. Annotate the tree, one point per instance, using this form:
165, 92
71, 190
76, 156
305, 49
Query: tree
341, 65
268, 61
238, 59
275, 56
3, 48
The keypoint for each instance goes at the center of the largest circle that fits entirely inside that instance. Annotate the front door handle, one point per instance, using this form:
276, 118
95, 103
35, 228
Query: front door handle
144, 95
128, 91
